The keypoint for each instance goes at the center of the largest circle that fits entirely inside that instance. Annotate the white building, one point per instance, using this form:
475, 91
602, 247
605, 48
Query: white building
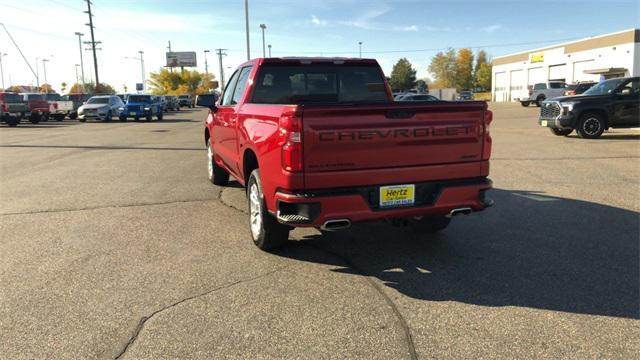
611, 55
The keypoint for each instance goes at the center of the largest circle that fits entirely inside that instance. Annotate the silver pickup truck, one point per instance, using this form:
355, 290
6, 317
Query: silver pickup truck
59, 106
542, 91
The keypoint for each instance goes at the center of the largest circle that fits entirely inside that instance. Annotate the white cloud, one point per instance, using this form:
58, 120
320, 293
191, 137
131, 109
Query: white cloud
316, 21
491, 28
412, 28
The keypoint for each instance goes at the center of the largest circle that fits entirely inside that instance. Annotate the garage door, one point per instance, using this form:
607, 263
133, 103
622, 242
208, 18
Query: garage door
579, 68
517, 85
558, 72
536, 75
500, 89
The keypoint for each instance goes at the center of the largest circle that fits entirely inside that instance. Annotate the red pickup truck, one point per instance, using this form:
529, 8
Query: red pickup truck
319, 142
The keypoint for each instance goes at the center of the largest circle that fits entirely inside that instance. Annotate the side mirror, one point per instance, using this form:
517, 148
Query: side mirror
208, 102
625, 91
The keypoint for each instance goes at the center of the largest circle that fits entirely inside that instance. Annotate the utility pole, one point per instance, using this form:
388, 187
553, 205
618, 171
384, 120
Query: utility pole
169, 48
269, 46
44, 67
80, 35
246, 20
263, 27
221, 53
77, 80
144, 85
360, 45
37, 74
2, 69
206, 65
93, 43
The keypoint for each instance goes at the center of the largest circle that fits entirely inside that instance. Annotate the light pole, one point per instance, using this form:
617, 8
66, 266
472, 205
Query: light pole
246, 20
79, 34
141, 59
2, 69
44, 67
263, 27
77, 80
206, 65
269, 46
221, 53
37, 74
360, 45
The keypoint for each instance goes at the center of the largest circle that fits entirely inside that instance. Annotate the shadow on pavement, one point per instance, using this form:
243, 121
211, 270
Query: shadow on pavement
530, 250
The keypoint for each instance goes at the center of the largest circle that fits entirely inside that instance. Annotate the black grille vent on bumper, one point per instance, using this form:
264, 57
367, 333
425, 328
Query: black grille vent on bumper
549, 110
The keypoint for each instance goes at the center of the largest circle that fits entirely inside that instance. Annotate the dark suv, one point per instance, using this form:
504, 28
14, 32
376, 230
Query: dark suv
612, 103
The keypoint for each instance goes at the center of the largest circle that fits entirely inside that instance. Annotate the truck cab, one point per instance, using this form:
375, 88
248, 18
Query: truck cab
142, 106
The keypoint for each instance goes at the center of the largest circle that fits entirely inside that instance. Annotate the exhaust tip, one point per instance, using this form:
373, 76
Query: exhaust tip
460, 211
336, 224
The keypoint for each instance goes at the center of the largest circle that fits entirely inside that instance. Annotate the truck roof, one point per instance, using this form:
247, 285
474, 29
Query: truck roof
310, 59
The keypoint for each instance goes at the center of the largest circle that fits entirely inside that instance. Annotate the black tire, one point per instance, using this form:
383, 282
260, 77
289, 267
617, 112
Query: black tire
123, 118
35, 118
12, 121
539, 100
524, 103
73, 116
160, 116
591, 126
217, 175
560, 132
82, 120
178, 108
429, 224
267, 233
149, 117
109, 116
58, 117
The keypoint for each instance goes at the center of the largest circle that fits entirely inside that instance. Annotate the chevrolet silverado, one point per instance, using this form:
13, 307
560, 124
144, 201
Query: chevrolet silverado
319, 142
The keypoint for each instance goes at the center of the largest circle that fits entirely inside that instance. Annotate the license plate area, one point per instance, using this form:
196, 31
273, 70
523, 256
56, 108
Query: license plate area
544, 123
397, 196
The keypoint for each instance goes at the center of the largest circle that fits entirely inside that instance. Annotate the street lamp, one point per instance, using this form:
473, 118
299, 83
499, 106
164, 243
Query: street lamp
44, 67
79, 34
246, 20
263, 27
1, 69
206, 65
269, 46
360, 45
77, 80
141, 59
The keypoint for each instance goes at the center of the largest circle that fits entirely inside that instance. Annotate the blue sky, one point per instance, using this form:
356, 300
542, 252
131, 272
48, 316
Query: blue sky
388, 29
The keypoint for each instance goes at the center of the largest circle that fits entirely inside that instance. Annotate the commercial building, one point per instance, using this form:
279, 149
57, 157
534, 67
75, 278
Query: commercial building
610, 55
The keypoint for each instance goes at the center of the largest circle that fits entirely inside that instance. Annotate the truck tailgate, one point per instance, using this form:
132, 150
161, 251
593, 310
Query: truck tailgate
366, 140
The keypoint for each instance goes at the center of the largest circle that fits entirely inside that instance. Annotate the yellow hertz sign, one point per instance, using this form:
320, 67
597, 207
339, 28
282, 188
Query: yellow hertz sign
537, 58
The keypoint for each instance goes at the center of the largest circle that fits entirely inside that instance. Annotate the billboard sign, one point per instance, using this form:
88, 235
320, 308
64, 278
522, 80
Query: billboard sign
179, 59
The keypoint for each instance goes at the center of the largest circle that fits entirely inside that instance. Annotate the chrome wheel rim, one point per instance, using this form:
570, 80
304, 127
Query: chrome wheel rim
255, 211
209, 161
591, 126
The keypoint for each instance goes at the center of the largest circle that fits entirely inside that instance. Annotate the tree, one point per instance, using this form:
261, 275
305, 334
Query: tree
90, 88
177, 83
464, 69
483, 76
481, 58
403, 76
63, 87
443, 68
46, 89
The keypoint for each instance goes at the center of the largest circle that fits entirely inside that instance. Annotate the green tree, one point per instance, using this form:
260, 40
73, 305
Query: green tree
90, 88
464, 69
443, 69
177, 83
483, 76
403, 76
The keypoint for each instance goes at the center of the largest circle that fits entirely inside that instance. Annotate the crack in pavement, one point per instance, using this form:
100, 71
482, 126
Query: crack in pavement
144, 319
394, 309
108, 207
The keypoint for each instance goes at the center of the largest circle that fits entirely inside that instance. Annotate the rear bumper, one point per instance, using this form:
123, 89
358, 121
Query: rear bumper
359, 204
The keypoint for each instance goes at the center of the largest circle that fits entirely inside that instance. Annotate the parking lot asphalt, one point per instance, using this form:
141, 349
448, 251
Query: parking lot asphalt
113, 244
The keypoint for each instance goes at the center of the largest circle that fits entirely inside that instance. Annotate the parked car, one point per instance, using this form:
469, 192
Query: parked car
321, 143
413, 97
141, 106
172, 103
163, 102
101, 107
37, 107
613, 103
12, 108
185, 100
579, 88
465, 95
59, 106
542, 91
78, 100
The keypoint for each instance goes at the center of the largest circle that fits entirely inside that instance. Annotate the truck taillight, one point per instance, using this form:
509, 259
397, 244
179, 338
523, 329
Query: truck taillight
291, 139
486, 147
55, 106
4, 107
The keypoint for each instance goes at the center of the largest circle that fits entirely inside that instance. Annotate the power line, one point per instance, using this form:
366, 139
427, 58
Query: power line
20, 51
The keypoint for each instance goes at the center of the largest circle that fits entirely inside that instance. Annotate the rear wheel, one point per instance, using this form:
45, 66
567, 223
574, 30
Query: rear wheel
524, 103
429, 224
591, 126
73, 116
561, 132
12, 121
58, 117
123, 118
217, 175
149, 117
267, 233
35, 118
539, 100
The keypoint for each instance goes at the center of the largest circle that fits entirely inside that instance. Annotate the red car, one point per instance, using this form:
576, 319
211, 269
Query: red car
319, 142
